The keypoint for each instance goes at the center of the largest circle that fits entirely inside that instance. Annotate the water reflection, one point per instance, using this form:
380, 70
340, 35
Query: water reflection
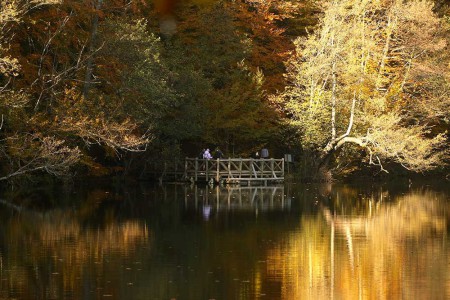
187, 242
55, 254
395, 249
253, 198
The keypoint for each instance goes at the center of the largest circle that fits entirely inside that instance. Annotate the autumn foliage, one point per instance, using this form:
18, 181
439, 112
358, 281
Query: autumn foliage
85, 83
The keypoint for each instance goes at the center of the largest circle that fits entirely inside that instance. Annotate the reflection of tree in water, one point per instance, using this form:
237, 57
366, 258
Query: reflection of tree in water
368, 245
392, 250
411, 216
53, 255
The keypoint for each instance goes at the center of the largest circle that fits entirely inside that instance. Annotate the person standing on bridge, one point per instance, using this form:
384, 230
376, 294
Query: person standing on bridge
202, 153
218, 153
264, 153
207, 154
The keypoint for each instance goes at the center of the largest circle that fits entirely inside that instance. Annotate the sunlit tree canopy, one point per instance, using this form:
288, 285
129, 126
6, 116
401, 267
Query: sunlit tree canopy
97, 87
351, 81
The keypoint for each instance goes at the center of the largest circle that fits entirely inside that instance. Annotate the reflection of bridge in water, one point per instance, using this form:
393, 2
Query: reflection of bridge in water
239, 198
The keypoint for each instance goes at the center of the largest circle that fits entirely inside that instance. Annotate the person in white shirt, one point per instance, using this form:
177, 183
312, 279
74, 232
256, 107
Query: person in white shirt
207, 154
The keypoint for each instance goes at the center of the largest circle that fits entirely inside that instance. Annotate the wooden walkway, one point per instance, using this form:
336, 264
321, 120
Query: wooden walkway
234, 170
228, 170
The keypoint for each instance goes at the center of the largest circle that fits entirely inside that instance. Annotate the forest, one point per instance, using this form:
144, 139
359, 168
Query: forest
101, 87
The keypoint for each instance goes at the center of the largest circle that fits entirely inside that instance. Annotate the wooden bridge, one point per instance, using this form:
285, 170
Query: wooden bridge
234, 170
228, 170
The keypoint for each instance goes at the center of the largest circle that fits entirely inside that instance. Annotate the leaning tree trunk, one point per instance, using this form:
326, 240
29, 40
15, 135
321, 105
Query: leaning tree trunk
336, 143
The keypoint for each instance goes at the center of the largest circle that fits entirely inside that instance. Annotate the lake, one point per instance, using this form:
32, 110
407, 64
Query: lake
292, 241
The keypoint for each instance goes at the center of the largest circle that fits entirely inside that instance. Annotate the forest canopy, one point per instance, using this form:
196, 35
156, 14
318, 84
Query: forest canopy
105, 86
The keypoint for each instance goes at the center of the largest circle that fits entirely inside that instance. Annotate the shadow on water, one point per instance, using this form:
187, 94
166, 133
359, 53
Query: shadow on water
291, 241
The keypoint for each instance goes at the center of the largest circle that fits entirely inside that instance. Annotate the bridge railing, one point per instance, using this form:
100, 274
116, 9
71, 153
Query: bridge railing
234, 169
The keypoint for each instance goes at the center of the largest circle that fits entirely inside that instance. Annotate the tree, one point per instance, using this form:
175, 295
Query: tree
46, 121
220, 94
262, 24
132, 71
24, 152
350, 82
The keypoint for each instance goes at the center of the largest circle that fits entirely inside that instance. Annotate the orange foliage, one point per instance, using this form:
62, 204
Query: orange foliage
260, 21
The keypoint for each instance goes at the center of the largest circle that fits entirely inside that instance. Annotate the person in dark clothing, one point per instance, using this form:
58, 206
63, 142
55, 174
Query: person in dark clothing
218, 153
201, 153
264, 153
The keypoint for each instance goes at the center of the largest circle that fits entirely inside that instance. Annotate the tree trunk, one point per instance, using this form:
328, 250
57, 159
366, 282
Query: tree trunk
337, 142
90, 61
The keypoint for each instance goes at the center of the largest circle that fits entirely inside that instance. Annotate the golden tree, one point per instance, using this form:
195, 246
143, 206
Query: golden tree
350, 82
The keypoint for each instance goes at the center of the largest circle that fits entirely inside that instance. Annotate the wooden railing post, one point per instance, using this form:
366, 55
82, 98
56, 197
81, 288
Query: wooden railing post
240, 169
262, 167
272, 168
206, 170
196, 169
218, 171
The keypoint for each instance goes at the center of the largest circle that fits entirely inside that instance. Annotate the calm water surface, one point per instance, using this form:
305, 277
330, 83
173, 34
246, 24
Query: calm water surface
184, 242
